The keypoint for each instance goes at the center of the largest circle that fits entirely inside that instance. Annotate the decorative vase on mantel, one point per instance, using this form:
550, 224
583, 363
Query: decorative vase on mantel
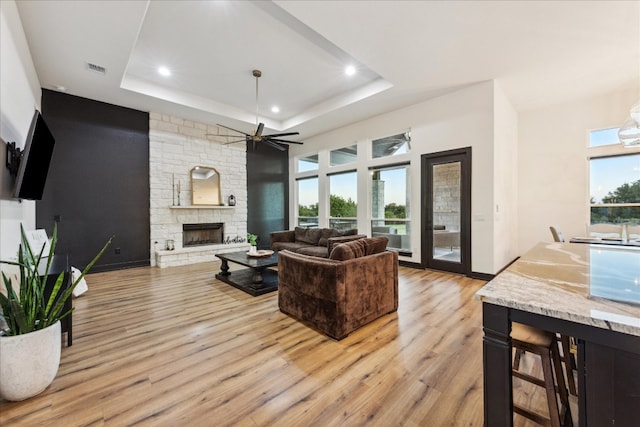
29, 362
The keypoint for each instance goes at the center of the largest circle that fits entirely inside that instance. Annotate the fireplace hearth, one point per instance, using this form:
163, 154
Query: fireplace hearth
202, 234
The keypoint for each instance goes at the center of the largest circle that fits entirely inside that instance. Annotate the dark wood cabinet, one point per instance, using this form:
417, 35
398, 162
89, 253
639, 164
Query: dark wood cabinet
608, 369
562, 288
612, 386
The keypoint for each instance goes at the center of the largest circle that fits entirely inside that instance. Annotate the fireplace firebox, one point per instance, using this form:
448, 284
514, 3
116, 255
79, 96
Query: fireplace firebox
202, 234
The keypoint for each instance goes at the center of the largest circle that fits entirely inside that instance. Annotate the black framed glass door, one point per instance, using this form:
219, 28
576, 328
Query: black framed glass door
446, 209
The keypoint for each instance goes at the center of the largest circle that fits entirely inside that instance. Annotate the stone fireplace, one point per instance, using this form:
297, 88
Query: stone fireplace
202, 234
176, 146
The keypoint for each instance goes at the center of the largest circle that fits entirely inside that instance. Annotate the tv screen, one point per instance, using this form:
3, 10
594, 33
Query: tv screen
35, 160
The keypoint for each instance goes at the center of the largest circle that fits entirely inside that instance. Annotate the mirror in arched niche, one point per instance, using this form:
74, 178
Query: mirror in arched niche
205, 186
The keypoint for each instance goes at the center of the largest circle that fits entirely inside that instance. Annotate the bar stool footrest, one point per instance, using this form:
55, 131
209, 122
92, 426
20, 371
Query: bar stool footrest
531, 415
529, 378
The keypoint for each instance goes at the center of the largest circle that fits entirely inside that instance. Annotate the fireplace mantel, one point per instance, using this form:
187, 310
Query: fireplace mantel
202, 207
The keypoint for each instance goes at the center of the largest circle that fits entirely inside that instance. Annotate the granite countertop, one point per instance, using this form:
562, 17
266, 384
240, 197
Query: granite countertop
577, 282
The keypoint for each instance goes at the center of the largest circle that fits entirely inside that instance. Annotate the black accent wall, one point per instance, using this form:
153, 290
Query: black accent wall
98, 182
267, 191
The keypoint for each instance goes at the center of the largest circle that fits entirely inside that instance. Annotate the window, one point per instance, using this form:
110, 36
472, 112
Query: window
343, 196
308, 163
343, 156
615, 193
598, 138
391, 145
390, 208
308, 202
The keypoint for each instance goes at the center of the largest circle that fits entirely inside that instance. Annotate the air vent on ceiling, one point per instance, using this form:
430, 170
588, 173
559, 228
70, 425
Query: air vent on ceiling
96, 68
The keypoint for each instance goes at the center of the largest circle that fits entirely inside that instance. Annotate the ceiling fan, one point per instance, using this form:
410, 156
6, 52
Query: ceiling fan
273, 139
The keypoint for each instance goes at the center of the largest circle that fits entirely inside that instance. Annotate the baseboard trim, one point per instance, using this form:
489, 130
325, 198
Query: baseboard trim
481, 276
120, 266
410, 264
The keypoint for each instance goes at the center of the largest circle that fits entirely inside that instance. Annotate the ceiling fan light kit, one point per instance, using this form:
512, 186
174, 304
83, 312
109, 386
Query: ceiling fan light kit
629, 132
274, 140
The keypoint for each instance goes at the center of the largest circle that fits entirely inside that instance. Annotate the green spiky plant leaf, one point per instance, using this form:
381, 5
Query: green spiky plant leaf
28, 310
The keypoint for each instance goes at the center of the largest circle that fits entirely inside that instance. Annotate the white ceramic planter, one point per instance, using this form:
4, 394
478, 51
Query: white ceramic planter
29, 362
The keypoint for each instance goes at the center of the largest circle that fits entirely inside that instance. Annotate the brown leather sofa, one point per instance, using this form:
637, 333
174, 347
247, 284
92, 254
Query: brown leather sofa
356, 285
311, 241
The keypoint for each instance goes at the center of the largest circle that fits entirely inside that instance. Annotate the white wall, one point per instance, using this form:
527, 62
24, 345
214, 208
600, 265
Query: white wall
505, 181
553, 175
456, 120
21, 93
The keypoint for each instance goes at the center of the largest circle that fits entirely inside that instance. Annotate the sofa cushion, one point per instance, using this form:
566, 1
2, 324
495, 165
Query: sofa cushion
327, 233
291, 246
317, 251
307, 235
358, 248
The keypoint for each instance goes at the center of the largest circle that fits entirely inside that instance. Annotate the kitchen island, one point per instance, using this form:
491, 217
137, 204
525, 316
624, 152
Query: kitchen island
589, 292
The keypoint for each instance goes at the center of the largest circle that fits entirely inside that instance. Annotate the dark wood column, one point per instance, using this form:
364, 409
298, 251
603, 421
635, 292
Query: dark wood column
496, 352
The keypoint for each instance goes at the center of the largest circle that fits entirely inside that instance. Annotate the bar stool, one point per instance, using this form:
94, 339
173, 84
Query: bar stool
569, 361
542, 343
564, 340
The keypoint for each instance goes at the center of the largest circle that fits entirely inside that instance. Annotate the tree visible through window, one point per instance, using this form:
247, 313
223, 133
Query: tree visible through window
615, 189
308, 202
343, 208
390, 213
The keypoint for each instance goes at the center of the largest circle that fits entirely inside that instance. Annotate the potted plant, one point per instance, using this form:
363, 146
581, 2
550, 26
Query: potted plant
30, 323
253, 241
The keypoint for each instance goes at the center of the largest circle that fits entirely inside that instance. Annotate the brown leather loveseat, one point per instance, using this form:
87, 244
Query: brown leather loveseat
312, 241
356, 285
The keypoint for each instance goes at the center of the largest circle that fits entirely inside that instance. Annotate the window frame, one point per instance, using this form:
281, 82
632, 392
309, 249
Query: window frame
407, 220
331, 219
297, 209
598, 152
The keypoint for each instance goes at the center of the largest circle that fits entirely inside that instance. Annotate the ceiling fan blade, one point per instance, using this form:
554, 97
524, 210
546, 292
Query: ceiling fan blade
235, 130
274, 145
284, 141
282, 134
234, 141
259, 130
224, 135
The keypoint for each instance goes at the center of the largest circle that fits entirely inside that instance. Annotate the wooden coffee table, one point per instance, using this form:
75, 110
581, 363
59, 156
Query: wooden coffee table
255, 280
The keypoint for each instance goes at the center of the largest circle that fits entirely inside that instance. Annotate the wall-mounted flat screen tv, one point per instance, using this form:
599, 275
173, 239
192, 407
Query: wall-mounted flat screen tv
35, 160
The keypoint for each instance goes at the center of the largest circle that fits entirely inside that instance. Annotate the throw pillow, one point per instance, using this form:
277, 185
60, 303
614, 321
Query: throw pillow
359, 248
375, 245
307, 235
324, 236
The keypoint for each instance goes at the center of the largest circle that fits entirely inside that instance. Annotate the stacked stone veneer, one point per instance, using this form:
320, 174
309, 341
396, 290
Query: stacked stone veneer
446, 195
175, 147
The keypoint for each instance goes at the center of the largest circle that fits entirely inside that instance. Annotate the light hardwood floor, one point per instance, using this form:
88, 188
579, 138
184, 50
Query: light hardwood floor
176, 347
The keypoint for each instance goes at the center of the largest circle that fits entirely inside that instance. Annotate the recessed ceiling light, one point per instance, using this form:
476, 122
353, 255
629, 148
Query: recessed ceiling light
275, 109
350, 70
60, 88
164, 71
